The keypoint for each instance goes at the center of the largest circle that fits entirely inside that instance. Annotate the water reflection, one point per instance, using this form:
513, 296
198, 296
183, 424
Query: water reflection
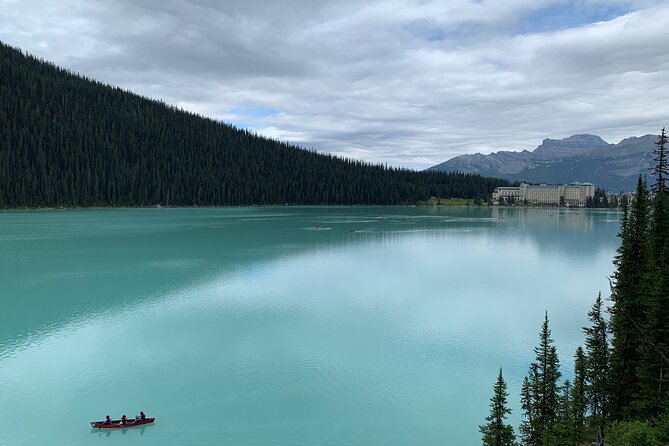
139, 430
384, 329
66, 266
581, 220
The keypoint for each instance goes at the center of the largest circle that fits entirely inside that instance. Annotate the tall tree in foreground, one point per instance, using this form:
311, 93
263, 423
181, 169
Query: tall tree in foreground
630, 293
496, 432
565, 417
653, 369
661, 169
578, 401
529, 429
596, 365
541, 393
570, 428
659, 225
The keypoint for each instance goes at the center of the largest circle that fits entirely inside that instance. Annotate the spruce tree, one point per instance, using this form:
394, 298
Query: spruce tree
541, 393
659, 227
661, 169
653, 369
529, 428
597, 364
570, 428
630, 293
578, 400
565, 428
496, 432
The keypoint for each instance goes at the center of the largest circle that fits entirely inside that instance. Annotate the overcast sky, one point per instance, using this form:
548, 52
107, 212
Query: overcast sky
407, 82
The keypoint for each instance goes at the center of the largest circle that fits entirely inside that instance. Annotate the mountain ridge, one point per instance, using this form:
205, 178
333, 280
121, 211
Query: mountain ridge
582, 157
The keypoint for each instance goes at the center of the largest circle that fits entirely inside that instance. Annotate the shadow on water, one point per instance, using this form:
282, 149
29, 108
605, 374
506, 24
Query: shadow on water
138, 430
58, 268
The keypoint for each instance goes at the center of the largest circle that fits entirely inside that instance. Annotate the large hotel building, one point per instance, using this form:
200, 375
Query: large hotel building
574, 195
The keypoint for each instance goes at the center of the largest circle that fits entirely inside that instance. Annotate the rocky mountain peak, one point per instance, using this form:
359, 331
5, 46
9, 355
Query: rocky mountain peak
570, 146
584, 158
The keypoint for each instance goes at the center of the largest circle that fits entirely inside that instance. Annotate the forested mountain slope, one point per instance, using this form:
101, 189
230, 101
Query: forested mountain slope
70, 141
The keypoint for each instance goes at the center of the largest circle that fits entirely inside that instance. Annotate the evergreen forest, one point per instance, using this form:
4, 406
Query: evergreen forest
619, 391
601, 200
66, 140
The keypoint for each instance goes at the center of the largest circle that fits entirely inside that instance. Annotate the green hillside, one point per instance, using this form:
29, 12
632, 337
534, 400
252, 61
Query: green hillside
70, 141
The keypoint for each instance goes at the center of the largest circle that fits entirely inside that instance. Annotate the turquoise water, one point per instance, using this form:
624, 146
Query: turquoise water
291, 326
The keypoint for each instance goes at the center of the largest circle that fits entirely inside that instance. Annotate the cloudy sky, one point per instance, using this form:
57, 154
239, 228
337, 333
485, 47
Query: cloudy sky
407, 82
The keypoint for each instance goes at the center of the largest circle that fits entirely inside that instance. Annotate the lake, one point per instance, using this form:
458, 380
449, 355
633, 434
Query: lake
285, 325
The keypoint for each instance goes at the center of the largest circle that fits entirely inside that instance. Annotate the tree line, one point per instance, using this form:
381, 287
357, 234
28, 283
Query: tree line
66, 140
603, 200
619, 394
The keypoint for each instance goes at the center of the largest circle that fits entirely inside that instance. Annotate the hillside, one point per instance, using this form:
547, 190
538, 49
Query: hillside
583, 158
70, 141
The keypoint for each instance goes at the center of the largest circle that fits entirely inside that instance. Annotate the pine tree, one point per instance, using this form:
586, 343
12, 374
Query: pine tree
597, 364
653, 369
540, 393
570, 428
630, 293
529, 427
496, 432
661, 169
565, 428
659, 227
578, 400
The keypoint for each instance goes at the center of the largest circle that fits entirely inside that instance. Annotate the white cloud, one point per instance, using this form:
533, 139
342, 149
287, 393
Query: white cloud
409, 83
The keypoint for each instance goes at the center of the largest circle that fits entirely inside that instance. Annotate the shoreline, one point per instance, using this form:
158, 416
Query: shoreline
427, 206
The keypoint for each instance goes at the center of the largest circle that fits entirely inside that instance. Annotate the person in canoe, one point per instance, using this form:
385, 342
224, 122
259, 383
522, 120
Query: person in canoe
142, 417
124, 420
108, 420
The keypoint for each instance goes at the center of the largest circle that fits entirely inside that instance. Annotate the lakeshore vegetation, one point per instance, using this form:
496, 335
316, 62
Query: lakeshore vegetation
619, 394
66, 140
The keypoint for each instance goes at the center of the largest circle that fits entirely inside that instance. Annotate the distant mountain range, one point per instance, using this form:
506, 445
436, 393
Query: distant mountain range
583, 158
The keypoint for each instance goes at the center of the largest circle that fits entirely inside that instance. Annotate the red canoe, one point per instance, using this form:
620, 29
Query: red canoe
116, 424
